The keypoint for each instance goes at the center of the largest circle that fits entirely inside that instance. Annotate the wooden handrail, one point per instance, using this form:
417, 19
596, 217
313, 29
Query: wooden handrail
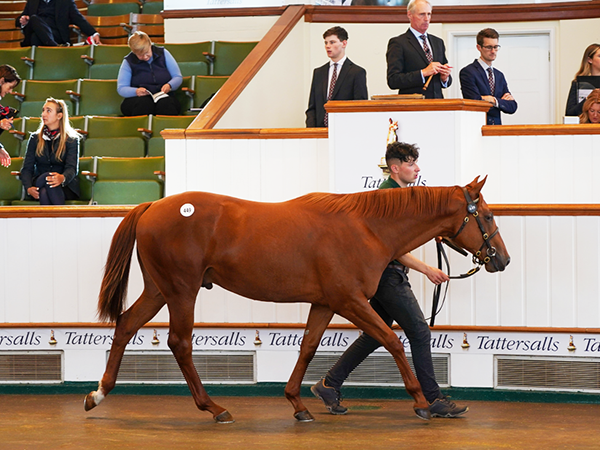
8, 212
259, 55
449, 104
483, 13
300, 325
539, 130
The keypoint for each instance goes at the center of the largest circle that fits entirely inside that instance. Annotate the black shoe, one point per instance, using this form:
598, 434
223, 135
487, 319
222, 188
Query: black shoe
443, 407
330, 396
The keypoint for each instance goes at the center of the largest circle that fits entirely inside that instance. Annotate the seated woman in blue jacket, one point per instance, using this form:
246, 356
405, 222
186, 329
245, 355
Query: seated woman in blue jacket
51, 162
148, 78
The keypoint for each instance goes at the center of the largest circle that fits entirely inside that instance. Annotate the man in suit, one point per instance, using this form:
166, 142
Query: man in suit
46, 22
480, 81
339, 79
416, 58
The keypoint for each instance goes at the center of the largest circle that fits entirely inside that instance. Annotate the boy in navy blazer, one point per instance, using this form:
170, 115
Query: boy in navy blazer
349, 80
480, 81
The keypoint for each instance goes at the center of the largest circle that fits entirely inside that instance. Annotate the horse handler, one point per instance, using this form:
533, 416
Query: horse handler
395, 301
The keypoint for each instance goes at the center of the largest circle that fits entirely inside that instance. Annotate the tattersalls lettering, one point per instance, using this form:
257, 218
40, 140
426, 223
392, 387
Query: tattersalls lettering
370, 182
30, 338
547, 344
591, 345
90, 338
278, 339
234, 338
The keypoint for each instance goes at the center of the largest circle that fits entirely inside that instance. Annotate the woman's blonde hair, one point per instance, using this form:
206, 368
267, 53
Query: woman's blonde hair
139, 42
65, 129
594, 97
585, 69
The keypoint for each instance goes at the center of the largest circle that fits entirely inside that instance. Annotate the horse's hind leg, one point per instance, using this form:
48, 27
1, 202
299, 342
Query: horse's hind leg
364, 317
128, 323
318, 319
180, 343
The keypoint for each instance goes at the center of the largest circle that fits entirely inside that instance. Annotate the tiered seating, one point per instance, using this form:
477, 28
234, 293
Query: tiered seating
110, 28
229, 55
152, 7
119, 154
151, 24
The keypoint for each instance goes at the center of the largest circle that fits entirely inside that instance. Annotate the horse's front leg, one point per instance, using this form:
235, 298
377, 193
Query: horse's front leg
180, 342
318, 319
364, 317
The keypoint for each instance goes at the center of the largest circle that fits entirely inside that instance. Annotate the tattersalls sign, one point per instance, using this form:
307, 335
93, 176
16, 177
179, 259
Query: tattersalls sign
513, 343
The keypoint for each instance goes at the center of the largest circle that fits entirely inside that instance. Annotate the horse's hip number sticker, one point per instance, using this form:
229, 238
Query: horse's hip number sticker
187, 210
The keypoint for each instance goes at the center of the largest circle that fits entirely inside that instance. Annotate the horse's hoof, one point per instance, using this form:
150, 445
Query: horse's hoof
224, 417
423, 413
304, 416
89, 402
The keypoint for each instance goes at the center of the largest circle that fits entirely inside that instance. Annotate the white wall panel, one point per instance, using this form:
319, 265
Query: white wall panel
562, 272
587, 272
512, 281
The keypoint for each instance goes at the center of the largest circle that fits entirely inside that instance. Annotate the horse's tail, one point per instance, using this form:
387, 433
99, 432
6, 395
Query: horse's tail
116, 272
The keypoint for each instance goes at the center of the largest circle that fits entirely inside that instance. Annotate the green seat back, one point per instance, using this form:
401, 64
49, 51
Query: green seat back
12, 57
152, 7
191, 68
156, 145
116, 169
184, 100
205, 87
104, 71
191, 52
10, 187
107, 60
113, 9
116, 146
36, 92
229, 55
59, 63
99, 97
10, 142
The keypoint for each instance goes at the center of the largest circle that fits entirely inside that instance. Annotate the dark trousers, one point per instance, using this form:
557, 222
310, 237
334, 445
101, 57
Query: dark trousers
142, 106
52, 196
394, 301
38, 32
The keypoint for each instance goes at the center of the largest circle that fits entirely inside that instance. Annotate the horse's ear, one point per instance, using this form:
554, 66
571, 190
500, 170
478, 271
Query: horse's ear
474, 187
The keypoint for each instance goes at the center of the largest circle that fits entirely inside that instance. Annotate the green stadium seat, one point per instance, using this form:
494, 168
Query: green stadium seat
12, 56
10, 186
34, 94
229, 55
204, 88
86, 165
190, 57
156, 144
117, 136
128, 181
152, 7
105, 61
113, 9
58, 63
97, 97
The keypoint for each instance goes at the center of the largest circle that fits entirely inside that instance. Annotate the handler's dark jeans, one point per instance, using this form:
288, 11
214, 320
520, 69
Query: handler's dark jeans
394, 301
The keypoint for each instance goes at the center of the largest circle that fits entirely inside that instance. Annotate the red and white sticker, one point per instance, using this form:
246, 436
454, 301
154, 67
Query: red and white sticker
187, 210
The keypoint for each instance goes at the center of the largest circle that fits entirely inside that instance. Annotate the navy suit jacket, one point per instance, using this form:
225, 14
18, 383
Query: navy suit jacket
406, 59
474, 84
66, 14
351, 84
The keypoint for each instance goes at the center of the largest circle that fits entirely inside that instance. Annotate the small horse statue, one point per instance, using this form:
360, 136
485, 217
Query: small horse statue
325, 249
392, 135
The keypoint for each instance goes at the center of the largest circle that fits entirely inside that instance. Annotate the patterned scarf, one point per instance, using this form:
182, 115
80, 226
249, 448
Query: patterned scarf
50, 135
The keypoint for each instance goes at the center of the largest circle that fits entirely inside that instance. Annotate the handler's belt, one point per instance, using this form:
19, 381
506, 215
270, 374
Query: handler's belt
397, 266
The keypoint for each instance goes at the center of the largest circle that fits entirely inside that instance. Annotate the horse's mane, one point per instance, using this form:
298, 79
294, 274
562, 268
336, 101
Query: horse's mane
384, 203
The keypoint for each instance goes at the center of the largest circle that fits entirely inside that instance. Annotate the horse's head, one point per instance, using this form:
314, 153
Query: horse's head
478, 232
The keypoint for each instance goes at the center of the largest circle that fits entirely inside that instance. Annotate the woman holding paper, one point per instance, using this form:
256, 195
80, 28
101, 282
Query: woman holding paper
147, 79
590, 67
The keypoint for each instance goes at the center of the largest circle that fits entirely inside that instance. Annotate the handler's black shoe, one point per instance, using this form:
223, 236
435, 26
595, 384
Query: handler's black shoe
443, 407
330, 396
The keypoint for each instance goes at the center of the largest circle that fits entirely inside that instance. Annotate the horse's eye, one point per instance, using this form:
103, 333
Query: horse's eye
489, 217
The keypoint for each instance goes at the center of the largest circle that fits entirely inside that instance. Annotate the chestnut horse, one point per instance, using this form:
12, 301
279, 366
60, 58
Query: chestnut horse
325, 249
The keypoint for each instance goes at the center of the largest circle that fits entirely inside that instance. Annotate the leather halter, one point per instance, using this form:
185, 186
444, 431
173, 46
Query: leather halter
441, 253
